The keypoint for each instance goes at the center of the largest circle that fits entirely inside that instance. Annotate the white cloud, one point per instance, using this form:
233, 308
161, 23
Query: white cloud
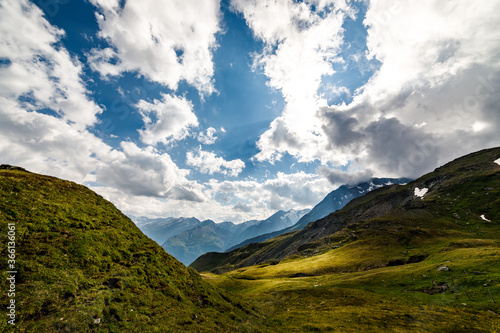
60, 144
284, 191
166, 41
301, 47
38, 75
46, 144
448, 81
438, 66
166, 120
146, 172
40, 72
209, 138
236, 201
210, 163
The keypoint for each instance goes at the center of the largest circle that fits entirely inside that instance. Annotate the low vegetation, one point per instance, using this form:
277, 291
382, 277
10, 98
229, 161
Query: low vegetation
395, 263
85, 267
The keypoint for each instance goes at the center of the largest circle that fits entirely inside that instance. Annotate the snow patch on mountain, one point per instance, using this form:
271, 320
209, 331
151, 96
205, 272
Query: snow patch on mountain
484, 218
420, 192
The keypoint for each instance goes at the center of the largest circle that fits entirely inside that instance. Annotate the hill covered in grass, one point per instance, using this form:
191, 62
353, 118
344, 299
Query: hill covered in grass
83, 266
423, 257
456, 199
334, 201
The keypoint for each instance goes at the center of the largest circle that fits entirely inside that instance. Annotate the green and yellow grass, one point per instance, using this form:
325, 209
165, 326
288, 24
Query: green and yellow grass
83, 266
344, 293
380, 271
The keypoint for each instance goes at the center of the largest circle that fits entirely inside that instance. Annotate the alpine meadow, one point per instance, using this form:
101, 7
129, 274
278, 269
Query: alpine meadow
250, 166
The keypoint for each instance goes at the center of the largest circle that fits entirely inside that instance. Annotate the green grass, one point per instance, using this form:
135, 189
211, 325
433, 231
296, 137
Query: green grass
79, 259
379, 272
344, 294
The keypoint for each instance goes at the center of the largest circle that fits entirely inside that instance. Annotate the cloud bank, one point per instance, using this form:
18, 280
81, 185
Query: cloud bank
434, 97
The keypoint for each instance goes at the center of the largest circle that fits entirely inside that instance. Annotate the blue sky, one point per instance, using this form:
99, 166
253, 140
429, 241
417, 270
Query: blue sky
233, 109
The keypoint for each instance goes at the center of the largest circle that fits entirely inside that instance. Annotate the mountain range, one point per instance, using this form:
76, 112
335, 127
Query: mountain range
437, 195
188, 238
209, 236
420, 257
334, 201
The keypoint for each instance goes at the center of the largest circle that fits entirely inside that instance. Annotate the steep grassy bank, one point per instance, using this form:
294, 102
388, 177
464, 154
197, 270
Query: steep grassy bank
83, 266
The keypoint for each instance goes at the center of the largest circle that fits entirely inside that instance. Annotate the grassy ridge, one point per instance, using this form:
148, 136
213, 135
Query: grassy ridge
84, 266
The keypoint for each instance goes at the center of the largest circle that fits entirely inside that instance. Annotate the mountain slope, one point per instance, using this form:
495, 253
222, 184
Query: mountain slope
162, 229
417, 258
209, 236
278, 221
337, 199
334, 201
462, 190
190, 244
83, 266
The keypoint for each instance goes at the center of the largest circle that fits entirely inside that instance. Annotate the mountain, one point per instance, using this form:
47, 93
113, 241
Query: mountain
190, 244
423, 257
448, 201
162, 229
278, 221
209, 236
80, 265
338, 198
334, 201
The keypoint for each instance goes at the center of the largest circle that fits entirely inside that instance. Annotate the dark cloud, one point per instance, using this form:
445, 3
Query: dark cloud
339, 127
182, 193
400, 149
282, 136
339, 177
242, 208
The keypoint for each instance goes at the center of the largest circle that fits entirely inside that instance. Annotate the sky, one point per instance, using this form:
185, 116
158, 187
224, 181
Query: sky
231, 110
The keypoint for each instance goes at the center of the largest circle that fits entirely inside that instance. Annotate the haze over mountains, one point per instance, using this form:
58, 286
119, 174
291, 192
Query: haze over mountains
188, 238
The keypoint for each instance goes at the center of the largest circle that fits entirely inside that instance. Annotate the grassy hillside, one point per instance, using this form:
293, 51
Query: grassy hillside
458, 194
82, 266
389, 261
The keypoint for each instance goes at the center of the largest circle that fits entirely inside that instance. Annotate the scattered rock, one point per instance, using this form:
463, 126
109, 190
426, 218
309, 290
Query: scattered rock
443, 269
396, 262
297, 275
12, 168
114, 283
417, 258
437, 288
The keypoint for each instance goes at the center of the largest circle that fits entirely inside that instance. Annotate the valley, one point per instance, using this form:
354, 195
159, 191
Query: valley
427, 263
